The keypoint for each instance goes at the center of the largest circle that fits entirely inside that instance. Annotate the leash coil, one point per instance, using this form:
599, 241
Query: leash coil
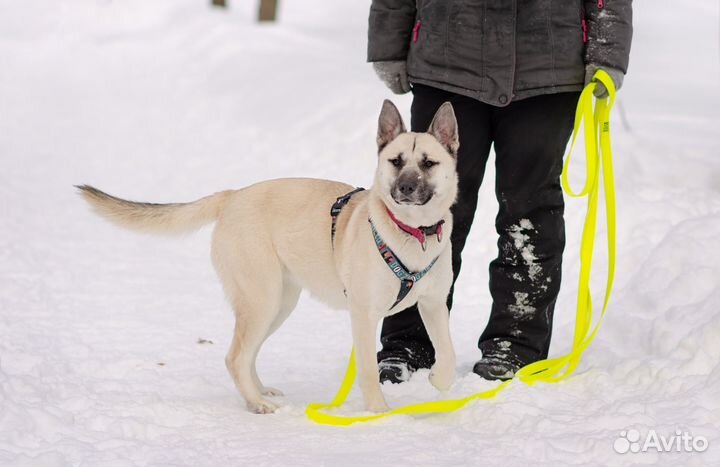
598, 154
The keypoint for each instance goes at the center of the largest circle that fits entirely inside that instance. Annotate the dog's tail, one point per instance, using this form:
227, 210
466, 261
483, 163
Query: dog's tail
173, 218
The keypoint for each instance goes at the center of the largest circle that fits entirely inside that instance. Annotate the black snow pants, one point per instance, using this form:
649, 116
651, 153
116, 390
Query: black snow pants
530, 137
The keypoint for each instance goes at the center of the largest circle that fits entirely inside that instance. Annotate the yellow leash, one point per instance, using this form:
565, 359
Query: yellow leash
552, 370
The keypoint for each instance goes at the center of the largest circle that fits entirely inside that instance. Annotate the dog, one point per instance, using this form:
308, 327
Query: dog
277, 237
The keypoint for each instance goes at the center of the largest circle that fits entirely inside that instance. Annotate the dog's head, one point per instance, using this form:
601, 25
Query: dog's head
416, 173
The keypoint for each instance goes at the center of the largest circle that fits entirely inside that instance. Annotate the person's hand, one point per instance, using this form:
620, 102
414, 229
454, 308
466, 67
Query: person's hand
616, 75
394, 75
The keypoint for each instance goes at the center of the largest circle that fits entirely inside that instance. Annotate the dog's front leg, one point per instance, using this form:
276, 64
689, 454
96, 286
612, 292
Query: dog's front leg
435, 316
364, 327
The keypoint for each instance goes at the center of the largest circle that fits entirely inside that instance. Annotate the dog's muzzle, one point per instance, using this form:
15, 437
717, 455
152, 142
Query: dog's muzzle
411, 189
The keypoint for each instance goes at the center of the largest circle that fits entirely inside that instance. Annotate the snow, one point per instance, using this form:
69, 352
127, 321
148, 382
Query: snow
521, 309
112, 344
526, 249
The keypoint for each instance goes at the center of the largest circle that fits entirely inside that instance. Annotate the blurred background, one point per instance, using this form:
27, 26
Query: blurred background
112, 343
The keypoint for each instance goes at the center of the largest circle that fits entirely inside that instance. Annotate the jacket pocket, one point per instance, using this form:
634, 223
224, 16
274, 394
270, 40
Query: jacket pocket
427, 56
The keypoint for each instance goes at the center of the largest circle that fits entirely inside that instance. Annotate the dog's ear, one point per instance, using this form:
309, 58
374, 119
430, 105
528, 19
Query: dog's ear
444, 128
390, 124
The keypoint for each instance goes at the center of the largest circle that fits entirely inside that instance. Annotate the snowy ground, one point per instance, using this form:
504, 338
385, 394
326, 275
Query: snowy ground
100, 363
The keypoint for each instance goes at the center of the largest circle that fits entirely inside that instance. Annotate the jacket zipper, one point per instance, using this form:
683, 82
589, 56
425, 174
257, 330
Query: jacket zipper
416, 31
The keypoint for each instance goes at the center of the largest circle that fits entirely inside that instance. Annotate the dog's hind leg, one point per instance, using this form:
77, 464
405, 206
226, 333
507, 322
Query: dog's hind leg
290, 296
253, 320
254, 284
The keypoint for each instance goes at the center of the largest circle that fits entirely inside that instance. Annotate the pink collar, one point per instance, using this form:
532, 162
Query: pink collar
418, 232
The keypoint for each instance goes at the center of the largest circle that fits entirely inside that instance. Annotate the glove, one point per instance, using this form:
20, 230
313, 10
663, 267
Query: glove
616, 75
394, 75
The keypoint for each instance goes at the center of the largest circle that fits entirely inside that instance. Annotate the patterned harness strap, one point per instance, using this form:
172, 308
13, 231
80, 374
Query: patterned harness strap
337, 207
407, 278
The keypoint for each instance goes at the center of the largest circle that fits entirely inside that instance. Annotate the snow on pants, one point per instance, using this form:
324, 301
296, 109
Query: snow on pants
529, 137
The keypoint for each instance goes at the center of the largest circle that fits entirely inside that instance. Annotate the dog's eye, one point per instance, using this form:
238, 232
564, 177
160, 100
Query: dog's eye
397, 162
427, 163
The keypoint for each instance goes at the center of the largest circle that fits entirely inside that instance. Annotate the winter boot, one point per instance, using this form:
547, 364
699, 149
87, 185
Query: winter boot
498, 361
395, 370
397, 365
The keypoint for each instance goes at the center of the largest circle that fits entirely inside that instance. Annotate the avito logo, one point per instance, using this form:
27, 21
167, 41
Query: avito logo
680, 441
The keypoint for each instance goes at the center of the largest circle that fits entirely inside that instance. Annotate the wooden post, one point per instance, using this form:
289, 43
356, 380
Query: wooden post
268, 10
220, 3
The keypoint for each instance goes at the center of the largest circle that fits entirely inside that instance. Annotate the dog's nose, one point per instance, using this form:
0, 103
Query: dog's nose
407, 188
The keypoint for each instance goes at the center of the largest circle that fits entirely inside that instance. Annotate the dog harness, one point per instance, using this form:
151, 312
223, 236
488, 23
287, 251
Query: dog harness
407, 278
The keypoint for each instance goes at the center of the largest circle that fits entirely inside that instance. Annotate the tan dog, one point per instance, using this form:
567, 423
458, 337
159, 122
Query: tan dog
273, 239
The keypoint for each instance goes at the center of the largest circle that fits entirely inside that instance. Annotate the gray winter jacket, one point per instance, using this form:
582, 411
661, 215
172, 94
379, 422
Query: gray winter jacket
501, 50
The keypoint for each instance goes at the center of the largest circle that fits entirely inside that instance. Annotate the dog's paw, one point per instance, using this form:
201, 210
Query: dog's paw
262, 406
442, 377
377, 406
268, 391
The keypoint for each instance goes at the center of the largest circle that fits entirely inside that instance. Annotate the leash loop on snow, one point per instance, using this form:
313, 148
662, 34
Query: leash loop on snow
598, 153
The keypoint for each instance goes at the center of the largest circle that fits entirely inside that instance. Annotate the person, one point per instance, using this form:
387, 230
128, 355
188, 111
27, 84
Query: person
513, 71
